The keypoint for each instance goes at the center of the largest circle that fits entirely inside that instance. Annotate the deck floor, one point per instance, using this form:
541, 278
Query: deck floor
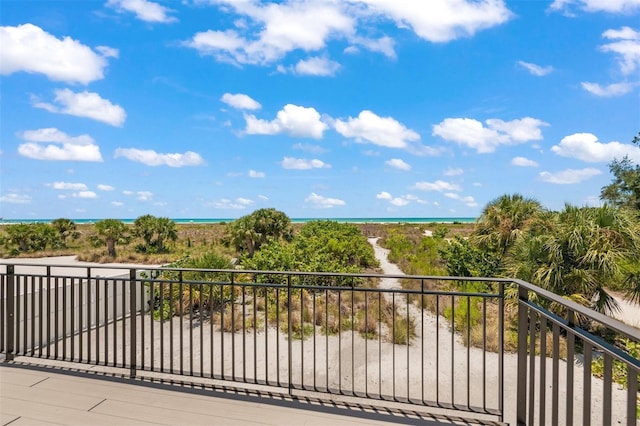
46, 395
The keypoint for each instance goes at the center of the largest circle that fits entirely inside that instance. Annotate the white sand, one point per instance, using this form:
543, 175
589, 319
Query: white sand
510, 369
629, 312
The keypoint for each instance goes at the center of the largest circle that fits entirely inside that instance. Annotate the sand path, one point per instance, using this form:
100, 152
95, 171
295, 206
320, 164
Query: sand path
481, 368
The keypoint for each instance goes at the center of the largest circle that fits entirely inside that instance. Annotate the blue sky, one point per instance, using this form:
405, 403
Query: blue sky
319, 108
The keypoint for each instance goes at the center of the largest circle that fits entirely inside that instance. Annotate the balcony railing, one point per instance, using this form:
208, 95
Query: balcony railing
345, 335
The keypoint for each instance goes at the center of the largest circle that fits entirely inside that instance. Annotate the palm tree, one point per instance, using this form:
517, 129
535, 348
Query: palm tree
111, 232
32, 236
19, 234
165, 229
503, 220
580, 254
251, 231
144, 227
66, 229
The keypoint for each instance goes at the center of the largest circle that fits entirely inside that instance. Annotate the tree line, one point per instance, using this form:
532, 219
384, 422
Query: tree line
154, 232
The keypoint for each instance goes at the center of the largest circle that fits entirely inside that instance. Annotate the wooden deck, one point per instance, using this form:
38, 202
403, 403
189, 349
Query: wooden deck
33, 394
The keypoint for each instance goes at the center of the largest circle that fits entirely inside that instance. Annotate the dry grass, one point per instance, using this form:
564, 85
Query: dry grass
231, 319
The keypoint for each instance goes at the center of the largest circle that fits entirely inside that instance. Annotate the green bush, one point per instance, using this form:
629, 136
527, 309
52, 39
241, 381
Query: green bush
193, 289
619, 369
414, 253
31, 237
320, 246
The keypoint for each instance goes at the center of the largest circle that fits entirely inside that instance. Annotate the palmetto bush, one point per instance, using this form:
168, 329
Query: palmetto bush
581, 253
189, 285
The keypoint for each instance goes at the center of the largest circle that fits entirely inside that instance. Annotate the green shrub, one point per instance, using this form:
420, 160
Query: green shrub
619, 369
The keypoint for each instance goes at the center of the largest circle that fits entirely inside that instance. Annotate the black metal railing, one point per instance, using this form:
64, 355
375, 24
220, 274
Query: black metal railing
544, 396
357, 335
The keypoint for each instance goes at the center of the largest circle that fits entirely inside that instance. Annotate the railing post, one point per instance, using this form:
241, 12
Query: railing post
501, 349
523, 334
289, 329
11, 282
132, 322
571, 342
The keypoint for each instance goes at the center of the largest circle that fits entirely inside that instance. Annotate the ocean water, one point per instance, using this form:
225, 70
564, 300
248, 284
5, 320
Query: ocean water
294, 220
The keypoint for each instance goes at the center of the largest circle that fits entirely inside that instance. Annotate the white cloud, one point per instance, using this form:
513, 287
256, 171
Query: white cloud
273, 30
313, 149
438, 185
472, 133
68, 186
453, 172
108, 52
144, 10
263, 197
523, 162
240, 101
569, 176
303, 164
320, 202
398, 201
384, 45
612, 6
30, 49
245, 201
228, 204
51, 134
117, 203
255, 174
144, 195
319, 66
381, 131
267, 32
536, 70
351, 50
442, 21
586, 147
608, 91
153, 158
293, 120
626, 47
85, 104
625, 33
51, 144
399, 164
13, 198
468, 200
103, 187
85, 194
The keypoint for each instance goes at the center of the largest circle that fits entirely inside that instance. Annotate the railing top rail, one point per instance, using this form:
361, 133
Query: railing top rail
609, 322
123, 266
249, 271
579, 332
